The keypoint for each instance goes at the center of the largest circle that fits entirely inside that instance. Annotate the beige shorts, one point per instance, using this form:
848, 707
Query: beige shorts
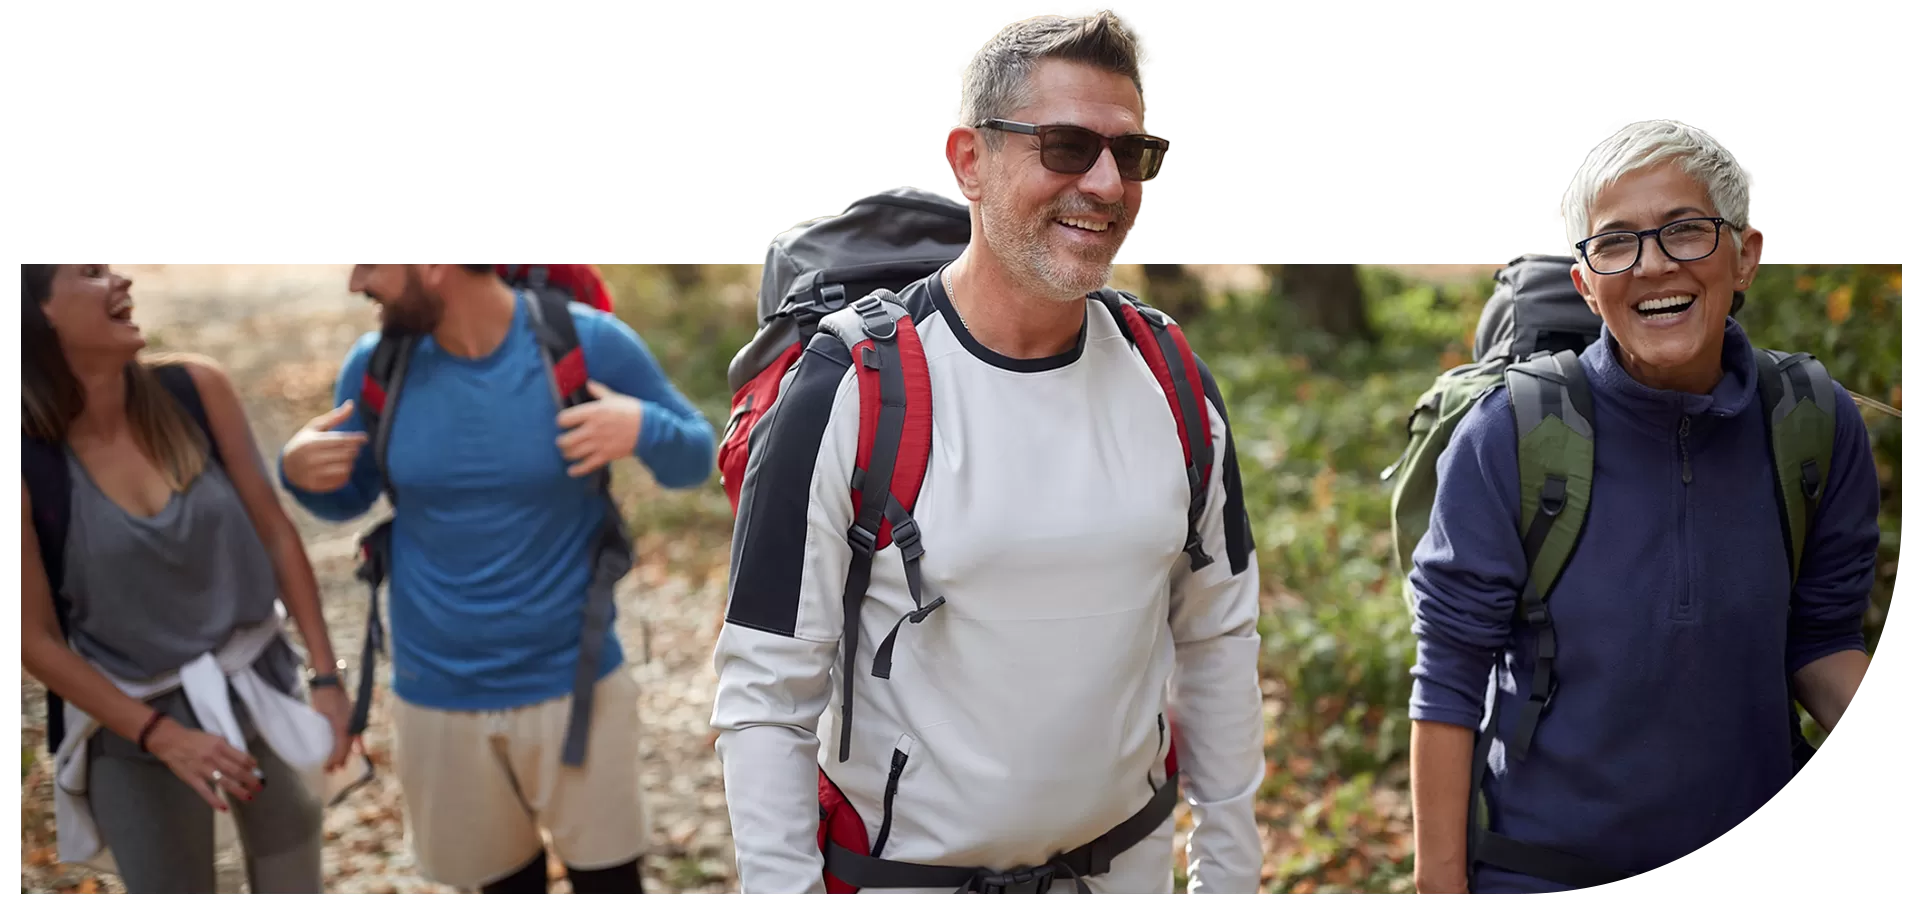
481, 786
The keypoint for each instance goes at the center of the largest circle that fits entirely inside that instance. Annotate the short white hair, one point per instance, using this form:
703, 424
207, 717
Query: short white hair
1644, 144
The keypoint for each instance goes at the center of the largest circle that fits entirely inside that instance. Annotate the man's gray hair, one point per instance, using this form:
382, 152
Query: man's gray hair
996, 82
1644, 144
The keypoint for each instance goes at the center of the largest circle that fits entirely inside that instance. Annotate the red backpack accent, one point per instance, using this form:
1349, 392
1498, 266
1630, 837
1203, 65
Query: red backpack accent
750, 403
841, 824
581, 281
916, 436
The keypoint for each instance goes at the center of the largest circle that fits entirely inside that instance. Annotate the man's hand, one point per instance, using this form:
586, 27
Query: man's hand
600, 431
317, 459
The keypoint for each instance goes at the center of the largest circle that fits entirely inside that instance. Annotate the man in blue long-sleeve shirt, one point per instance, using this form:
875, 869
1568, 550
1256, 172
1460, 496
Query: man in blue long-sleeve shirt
1682, 636
491, 539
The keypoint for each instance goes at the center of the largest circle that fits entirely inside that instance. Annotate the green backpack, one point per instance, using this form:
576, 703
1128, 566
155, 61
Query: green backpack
1530, 336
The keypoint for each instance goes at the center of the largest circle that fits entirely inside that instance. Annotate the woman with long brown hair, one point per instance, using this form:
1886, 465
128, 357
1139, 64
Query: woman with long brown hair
158, 570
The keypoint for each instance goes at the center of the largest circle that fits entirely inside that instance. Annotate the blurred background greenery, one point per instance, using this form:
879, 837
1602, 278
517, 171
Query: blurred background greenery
1319, 366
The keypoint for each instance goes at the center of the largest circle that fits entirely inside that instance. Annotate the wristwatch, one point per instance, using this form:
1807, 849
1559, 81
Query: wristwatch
315, 679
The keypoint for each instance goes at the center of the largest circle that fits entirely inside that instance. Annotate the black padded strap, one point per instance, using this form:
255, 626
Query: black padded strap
388, 366
864, 535
611, 555
178, 381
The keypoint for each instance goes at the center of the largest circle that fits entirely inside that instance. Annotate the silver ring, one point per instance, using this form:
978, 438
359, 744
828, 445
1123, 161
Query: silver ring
217, 776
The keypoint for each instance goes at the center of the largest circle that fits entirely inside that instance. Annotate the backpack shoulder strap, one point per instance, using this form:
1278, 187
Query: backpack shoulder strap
1796, 395
43, 466
179, 383
549, 312
380, 394
550, 315
896, 438
1553, 416
1159, 340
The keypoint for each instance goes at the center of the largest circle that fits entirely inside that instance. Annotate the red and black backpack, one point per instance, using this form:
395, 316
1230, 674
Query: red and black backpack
840, 275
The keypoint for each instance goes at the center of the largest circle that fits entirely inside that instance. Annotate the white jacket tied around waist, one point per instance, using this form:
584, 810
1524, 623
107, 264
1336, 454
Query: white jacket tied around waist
299, 735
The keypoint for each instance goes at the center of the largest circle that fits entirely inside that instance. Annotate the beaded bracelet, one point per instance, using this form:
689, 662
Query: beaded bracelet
147, 730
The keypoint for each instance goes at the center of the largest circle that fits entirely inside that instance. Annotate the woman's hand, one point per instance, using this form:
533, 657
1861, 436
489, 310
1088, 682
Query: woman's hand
205, 762
331, 702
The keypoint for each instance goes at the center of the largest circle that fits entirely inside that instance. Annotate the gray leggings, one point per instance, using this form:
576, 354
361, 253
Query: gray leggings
161, 832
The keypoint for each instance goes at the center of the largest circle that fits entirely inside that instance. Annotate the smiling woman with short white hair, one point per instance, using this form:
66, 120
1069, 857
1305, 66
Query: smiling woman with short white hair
1644, 655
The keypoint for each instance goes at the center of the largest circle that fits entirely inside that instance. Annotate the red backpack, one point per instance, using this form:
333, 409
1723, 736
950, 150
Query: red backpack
877, 247
580, 281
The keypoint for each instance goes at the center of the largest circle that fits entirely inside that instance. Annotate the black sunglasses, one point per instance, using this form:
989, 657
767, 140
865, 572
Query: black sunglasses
1072, 150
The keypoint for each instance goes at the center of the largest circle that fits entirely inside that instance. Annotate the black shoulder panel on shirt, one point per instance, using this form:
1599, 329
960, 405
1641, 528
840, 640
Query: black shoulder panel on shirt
1234, 519
770, 531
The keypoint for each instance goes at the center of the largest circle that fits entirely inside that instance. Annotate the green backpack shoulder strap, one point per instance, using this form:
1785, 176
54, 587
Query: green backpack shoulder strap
1796, 394
1553, 416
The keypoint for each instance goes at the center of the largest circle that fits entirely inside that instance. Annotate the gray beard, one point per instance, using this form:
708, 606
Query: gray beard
1025, 257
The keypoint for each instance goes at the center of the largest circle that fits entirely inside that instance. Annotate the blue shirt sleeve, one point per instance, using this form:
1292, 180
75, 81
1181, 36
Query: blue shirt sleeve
364, 487
676, 442
1830, 599
1470, 567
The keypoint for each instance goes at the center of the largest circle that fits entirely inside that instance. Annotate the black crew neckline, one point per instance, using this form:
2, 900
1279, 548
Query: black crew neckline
993, 358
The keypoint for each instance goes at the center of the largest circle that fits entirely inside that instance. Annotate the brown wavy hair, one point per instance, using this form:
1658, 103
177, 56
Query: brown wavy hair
51, 398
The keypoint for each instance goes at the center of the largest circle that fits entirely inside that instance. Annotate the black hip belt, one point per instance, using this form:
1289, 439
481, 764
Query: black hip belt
1090, 860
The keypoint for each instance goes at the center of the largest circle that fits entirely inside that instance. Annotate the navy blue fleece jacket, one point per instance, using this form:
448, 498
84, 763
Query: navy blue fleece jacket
1669, 723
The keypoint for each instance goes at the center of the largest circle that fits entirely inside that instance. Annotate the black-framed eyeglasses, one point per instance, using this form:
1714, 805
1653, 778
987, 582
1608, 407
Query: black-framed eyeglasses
1072, 149
1682, 240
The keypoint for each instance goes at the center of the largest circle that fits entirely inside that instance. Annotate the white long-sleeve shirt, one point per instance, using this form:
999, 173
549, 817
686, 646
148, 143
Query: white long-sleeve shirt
1028, 714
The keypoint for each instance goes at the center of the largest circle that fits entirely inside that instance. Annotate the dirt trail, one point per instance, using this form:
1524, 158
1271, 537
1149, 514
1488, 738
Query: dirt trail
281, 332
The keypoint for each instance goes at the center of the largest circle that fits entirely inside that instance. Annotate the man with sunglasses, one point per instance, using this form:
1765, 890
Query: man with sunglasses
1641, 701
1020, 741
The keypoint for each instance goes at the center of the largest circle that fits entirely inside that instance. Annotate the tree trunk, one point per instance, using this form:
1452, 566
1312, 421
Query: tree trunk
1173, 291
685, 276
1327, 297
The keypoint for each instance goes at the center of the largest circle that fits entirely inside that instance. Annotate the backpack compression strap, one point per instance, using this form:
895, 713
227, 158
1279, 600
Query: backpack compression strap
612, 550
1797, 394
1160, 341
1553, 412
896, 437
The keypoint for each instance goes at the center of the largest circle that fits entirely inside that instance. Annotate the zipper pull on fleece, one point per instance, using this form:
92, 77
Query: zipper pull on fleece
1686, 463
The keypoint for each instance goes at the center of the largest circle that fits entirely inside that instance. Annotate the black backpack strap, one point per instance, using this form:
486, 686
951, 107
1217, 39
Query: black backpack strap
43, 465
1165, 349
178, 381
612, 551
379, 399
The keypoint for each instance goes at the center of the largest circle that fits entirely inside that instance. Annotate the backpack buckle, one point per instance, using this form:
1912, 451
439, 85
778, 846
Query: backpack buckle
874, 320
1809, 478
863, 540
1040, 879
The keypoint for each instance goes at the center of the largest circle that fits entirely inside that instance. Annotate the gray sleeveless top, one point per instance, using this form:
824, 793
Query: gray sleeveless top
150, 594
